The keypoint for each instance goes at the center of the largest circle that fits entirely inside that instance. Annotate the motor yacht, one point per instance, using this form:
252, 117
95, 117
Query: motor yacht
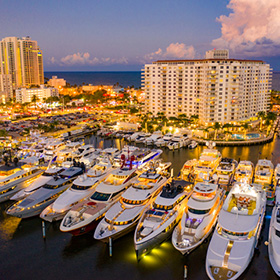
236, 235
35, 203
52, 148
277, 175
22, 175
177, 142
153, 138
68, 151
109, 153
244, 170
163, 142
160, 218
85, 215
225, 171
38, 183
125, 213
187, 171
142, 137
82, 187
263, 175
192, 145
199, 218
208, 161
274, 235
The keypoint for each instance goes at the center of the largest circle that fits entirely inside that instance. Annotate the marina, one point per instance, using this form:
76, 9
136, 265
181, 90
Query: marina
163, 261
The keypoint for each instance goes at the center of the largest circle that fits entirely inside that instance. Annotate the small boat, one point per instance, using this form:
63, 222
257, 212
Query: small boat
163, 142
274, 235
153, 138
199, 218
244, 171
34, 204
177, 142
237, 233
38, 183
225, 171
192, 145
82, 187
123, 216
85, 215
160, 218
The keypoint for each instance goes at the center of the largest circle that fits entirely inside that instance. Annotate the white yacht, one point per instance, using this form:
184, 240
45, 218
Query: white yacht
236, 235
160, 218
125, 213
70, 148
38, 183
25, 174
142, 137
207, 162
199, 217
274, 235
277, 175
33, 204
177, 142
192, 145
244, 170
85, 215
52, 148
187, 171
264, 172
153, 138
163, 142
225, 171
109, 153
82, 187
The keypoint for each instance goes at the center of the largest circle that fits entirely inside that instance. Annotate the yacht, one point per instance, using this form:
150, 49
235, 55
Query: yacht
177, 142
199, 218
187, 171
236, 235
163, 142
192, 145
109, 153
23, 176
82, 187
225, 171
70, 148
274, 235
89, 158
207, 162
142, 137
34, 204
277, 175
153, 138
125, 213
263, 175
85, 215
38, 183
244, 171
52, 148
160, 218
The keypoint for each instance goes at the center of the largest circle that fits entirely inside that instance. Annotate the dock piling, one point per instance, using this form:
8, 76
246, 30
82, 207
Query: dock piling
44, 230
185, 272
110, 247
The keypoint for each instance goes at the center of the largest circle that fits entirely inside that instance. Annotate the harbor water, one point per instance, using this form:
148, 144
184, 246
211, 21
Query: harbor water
26, 255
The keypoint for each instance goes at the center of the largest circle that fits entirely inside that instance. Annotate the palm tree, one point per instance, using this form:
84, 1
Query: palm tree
216, 126
261, 115
34, 100
245, 127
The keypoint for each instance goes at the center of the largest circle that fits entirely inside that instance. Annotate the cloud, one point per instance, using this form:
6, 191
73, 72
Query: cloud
173, 51
252, 29
85, 59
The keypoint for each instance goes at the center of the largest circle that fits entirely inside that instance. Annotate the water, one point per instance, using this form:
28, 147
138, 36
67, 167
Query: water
248, 136
124, 79
25, 255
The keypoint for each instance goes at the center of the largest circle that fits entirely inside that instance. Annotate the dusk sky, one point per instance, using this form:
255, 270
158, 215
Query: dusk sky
120, 35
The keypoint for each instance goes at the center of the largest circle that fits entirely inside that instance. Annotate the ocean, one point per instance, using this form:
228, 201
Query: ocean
125, 79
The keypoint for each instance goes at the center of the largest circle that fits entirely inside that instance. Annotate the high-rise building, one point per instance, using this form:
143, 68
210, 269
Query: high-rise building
21, 61
217, 90
217, 54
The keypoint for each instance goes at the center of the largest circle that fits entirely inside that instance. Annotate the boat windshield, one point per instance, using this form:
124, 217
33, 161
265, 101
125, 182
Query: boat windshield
100, 196
52, 187
234, 234
134, 202
79, 187
198, 211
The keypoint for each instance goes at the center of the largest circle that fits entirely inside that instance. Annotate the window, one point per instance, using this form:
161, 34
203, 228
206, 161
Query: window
100, 196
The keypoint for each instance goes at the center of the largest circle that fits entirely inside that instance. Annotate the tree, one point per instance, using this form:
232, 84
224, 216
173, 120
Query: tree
261, 115
34, 100
216, 127
245, 127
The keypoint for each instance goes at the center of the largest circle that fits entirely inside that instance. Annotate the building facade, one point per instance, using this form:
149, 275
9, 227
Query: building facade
57, 83
24, 95
21, 61
217, 90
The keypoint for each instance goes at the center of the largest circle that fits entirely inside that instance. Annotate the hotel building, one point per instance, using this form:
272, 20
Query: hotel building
24, 95
216, 89
21, 64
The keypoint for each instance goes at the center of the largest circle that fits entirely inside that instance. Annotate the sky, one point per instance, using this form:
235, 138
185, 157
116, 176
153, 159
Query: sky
123, 35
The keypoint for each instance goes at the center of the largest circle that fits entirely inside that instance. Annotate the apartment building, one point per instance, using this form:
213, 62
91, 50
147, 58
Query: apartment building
24, 95
217, 90
56, 82
21, 61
